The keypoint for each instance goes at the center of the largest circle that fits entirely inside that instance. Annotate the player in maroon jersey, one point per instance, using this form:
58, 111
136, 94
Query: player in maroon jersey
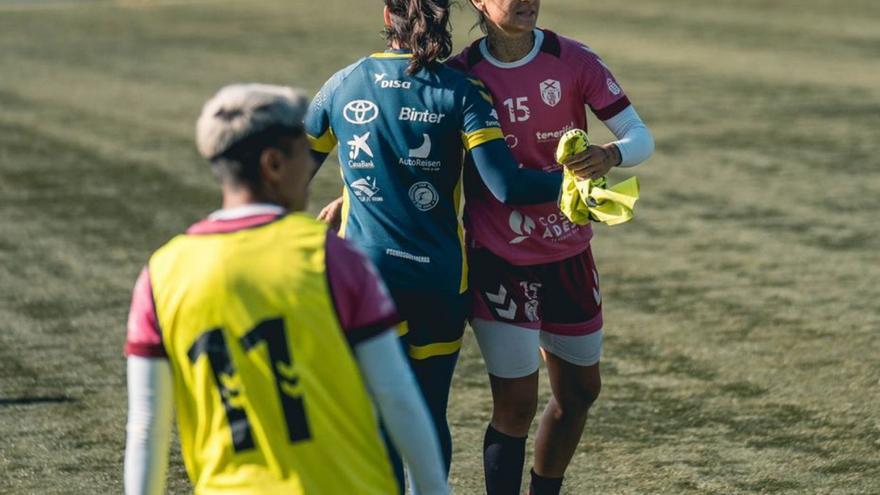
532, 275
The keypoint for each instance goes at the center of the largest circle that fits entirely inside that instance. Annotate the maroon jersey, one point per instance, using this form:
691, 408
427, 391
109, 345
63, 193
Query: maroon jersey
537, 99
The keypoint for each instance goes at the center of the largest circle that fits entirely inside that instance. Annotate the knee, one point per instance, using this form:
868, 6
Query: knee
589, 393
577, 400
515, 416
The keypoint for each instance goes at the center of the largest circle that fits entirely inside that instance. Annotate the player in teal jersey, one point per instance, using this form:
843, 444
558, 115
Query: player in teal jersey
403, 122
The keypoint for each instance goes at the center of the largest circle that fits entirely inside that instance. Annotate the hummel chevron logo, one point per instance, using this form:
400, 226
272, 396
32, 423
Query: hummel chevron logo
498, 298
506, 311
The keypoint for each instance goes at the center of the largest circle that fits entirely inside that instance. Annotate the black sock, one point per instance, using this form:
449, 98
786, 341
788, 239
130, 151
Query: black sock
503, 458
544, 486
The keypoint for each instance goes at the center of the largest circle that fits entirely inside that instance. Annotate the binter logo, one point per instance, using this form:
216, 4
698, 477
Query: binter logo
408, 114
391, 83
360, 112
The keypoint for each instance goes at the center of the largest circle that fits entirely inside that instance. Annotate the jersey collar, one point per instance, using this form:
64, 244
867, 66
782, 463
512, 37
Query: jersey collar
242, 211
238, 218
393, 53
536, 48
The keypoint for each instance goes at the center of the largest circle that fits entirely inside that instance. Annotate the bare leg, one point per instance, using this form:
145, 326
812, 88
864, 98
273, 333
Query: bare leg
514, 403
574, 388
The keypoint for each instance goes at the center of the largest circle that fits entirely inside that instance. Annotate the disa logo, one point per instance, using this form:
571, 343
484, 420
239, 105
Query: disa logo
391, 83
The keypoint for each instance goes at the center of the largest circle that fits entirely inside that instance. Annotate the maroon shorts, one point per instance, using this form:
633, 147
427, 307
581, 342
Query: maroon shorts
560, 297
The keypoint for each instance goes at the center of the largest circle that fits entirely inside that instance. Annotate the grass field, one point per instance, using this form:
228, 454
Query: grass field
742, 305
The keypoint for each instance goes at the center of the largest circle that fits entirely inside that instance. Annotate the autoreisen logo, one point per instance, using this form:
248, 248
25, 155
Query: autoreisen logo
419, 157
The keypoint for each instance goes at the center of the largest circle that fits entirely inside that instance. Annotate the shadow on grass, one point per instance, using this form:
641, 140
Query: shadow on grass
29, 401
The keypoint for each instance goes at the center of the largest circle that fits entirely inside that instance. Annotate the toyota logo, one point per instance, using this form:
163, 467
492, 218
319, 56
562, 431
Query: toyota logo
360, 111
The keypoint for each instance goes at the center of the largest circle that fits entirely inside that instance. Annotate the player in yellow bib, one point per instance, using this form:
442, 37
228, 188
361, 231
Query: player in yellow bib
271, 337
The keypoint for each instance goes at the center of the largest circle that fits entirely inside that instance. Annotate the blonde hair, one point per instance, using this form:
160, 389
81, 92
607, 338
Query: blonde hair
240, 111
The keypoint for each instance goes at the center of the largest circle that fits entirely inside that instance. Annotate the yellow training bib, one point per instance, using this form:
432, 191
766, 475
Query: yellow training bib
269, 398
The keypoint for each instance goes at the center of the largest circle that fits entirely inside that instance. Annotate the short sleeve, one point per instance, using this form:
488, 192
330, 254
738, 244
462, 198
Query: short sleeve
362, 301
480, 119
317, 122
600, 90
143, 335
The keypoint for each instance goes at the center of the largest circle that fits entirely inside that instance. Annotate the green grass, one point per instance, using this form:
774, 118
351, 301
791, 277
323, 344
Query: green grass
742, 305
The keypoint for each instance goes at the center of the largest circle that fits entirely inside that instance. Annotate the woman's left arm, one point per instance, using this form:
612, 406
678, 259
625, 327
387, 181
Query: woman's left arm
634, 145
634, 140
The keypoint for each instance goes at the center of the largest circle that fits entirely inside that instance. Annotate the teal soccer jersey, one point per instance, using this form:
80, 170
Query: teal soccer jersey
402, 140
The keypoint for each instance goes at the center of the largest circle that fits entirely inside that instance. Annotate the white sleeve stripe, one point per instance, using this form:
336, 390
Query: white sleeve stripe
150, 408
394, 389
634, 139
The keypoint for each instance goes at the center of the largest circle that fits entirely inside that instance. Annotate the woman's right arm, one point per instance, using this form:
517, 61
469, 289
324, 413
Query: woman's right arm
501, 173
510, 184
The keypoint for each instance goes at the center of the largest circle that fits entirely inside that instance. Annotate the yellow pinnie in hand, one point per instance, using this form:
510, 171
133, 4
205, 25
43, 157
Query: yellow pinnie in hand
583, 200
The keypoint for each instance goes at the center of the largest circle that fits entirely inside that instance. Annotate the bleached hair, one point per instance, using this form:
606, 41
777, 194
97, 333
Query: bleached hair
239, 111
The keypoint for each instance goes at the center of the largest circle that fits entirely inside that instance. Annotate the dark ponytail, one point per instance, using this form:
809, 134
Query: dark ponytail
421, 26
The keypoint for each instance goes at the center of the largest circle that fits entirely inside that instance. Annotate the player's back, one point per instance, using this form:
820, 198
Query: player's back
401, 140
269, 398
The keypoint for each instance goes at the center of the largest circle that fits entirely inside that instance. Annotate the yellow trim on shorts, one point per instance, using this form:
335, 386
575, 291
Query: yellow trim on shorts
402, 328
323, 144
421, 352
473, 139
